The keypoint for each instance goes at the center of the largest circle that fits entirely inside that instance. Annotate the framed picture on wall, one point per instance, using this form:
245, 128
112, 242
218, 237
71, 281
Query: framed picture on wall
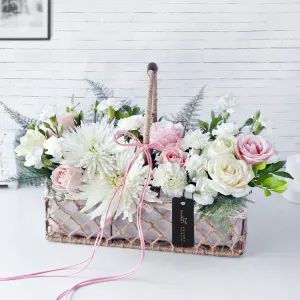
25, 19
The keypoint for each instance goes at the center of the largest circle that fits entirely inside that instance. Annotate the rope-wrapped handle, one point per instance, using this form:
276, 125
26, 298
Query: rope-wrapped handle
151, 108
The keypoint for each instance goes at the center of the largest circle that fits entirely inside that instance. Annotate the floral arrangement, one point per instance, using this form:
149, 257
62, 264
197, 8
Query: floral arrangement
216, 162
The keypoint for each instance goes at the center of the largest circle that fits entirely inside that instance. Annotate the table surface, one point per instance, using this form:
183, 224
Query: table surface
270, 268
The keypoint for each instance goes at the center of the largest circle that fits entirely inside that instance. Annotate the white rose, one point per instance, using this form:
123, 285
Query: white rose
132, 123
31, 148
195, 139
171, 178
220, 146
204, 193
195, 165
229, 175
226, 129
116, 104
53, 145
226, 103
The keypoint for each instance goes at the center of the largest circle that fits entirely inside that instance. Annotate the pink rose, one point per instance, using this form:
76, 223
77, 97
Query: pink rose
66, 178
255, 149
173, 155
165, 133
66, 121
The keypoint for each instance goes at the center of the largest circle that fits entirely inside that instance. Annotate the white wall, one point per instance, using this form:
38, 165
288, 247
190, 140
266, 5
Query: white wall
248, 48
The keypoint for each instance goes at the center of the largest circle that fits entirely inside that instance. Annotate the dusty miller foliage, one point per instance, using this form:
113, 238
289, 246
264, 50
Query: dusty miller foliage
222, 210
189, 114
20, 119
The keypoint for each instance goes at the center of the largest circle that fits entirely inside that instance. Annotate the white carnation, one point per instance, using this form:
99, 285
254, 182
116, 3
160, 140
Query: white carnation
171, 178
204, 193
226, 129
116, 104
31, 147
53, 145
226, 103
195, 165
222, 145
132, 123
195, 139
229, 175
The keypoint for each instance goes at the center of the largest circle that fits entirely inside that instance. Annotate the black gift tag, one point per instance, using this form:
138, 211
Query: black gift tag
183, 222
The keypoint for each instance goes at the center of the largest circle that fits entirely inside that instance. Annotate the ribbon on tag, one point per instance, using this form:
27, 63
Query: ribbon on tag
143, 149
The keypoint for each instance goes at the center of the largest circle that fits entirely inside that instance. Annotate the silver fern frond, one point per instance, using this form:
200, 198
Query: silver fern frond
20, 119
189, 114
101, 92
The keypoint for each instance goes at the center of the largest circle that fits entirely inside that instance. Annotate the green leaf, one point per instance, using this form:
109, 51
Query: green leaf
256, 115
267, 193
204, 126
276, 166
111, 113
46, 125
283, 174
53, 120
249, 122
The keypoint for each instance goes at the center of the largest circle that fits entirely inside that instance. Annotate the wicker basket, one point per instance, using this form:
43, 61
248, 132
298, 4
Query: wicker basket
66, 223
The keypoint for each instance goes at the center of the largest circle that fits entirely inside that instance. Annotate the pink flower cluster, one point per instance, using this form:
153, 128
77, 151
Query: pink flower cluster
167, 136
65, 178
254, 149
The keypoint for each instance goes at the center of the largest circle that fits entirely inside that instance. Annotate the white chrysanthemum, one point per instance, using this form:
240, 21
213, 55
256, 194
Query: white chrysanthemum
91, 147
31, 147
195, 139
171, 178
226, 129
53, 145
132, 123
226, 103
100, 189
204, 193
195, 165
116, 104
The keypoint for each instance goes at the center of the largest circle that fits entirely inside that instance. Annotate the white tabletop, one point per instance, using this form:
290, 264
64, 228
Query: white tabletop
270, 268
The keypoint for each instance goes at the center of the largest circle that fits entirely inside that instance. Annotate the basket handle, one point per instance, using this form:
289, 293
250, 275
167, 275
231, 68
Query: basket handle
151, 108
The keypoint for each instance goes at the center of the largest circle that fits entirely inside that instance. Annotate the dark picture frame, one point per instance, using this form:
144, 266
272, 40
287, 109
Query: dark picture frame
45, 30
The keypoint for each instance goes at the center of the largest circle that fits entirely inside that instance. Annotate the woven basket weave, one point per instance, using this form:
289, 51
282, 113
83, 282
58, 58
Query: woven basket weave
66, 223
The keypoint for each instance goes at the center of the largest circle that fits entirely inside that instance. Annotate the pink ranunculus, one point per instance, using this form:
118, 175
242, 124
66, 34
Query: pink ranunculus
165, 133
173, 155
66, 121
65, 178
255, 149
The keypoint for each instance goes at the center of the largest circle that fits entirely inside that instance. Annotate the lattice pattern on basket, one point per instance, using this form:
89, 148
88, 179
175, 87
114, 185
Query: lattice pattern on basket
66, 223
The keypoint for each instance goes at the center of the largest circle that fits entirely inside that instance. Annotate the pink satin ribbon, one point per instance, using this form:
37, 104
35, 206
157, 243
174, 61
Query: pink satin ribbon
142, 149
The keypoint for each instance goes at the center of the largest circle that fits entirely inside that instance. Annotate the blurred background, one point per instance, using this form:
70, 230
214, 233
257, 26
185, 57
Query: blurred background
248, 49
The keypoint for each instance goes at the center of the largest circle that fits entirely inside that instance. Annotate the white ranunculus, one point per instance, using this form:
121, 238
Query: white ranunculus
53, 145
226, 129
116, 104
132, 123
204, 193
220, 146
171, 178
229, 175
226, 103
31, 147
195, 140
195, 165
